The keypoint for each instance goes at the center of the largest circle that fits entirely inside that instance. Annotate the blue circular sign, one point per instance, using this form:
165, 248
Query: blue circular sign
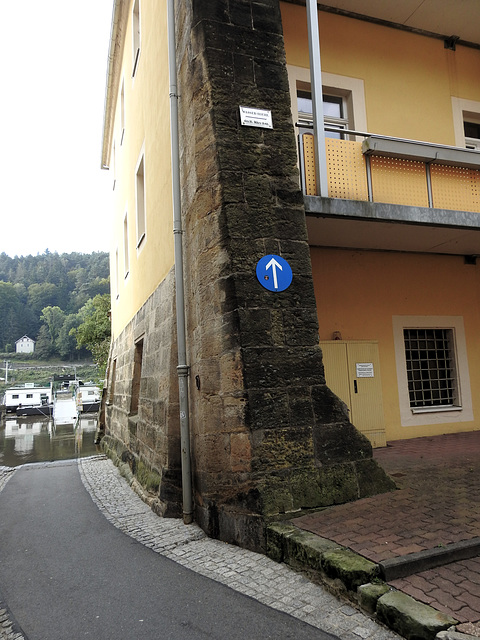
274, 273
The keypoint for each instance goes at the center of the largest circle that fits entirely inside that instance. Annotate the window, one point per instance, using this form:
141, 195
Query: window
112, 381
122, 112
137, 376
431, 370
15, 396
351, 91
466, 123
29, 395
136, 34
125, 246
472, 134
334, 111
140, 200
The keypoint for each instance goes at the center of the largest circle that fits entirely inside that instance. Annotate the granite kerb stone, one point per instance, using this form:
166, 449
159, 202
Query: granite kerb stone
359, 580
450, 634
403, 566
411, 619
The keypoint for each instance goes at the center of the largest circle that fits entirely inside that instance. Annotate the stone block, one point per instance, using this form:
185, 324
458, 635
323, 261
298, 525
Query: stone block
300, 407
268, 409
411, 619
276, 536
266, 16
283, 449
369, 594
304, 550
243, 69
281, 366
240, 452
372, 479
334, 484
351, 569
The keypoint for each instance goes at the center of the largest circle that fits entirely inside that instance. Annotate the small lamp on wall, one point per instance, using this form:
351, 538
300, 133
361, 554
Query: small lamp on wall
336, 335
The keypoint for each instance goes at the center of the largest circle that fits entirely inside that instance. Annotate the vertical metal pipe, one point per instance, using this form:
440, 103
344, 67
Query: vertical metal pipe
182, 368
368, 167
429, 184
317, 97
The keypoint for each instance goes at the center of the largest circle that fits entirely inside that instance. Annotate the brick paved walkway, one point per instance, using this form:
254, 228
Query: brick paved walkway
437, 503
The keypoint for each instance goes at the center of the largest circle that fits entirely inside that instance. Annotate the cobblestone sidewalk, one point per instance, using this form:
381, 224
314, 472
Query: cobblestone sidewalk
248, 573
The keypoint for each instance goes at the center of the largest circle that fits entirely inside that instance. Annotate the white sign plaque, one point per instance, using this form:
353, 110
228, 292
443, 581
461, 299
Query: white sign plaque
250, 117
364, 369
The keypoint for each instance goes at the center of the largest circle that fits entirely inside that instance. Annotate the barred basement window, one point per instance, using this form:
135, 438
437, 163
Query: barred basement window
431, 368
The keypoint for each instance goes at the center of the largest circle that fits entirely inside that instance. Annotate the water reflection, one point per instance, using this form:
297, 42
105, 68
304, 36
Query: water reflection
38, 439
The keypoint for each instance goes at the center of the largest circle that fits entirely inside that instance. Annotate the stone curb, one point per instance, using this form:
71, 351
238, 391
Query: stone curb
358, 579
429, 559
453, 635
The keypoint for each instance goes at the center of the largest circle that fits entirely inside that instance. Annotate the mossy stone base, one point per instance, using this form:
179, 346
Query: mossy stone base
297, 489
144, 480
351, 569
300, 549
369, 594
411, 619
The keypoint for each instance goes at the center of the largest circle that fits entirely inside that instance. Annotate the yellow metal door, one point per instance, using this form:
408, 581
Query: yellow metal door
352, 371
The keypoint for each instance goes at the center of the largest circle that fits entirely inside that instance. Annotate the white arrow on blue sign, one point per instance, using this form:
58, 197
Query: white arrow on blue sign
274, 273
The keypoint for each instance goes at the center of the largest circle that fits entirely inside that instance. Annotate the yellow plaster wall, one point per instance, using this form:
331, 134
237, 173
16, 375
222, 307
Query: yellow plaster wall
147, 125
358, 292
409, 79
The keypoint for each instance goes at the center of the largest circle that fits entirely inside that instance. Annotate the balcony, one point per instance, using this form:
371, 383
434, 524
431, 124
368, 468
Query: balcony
432, 190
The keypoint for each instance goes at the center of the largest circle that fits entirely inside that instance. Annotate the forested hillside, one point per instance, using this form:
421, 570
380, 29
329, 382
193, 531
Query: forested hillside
47, 295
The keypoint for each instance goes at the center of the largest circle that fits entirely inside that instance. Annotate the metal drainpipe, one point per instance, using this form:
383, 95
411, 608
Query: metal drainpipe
182, 368
317, 97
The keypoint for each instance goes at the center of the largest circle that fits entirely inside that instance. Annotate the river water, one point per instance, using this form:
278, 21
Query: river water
39, 439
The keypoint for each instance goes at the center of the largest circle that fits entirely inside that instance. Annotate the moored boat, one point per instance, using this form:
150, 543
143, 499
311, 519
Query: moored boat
88, 398
35, 410
28, 395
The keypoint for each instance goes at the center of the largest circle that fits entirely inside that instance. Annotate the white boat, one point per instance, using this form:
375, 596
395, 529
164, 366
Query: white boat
88, 398
29, 399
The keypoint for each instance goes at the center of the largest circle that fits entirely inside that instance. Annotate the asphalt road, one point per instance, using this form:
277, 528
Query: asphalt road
66, 573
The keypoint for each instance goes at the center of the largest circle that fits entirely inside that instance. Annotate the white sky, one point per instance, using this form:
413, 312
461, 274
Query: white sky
53, 193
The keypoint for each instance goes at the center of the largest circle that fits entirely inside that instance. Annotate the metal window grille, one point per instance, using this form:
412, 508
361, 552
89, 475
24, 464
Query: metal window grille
431, 371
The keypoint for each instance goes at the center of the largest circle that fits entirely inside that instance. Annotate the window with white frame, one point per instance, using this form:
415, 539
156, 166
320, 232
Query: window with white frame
466, 123
431, 367
334, 111
432, 370
471, 128
140, 200
346, 103
136, 35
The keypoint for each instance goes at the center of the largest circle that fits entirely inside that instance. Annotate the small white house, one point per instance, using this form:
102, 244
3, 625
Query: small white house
25, 345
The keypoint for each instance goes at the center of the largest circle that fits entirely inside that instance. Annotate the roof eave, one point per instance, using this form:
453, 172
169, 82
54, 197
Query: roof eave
114, 68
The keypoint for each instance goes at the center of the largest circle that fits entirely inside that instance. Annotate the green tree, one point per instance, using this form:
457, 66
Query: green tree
42, 295
10, 314
44, 347
53, 318
94, 332
66, 342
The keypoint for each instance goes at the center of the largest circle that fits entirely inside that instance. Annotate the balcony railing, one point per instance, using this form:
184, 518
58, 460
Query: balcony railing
395, 171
